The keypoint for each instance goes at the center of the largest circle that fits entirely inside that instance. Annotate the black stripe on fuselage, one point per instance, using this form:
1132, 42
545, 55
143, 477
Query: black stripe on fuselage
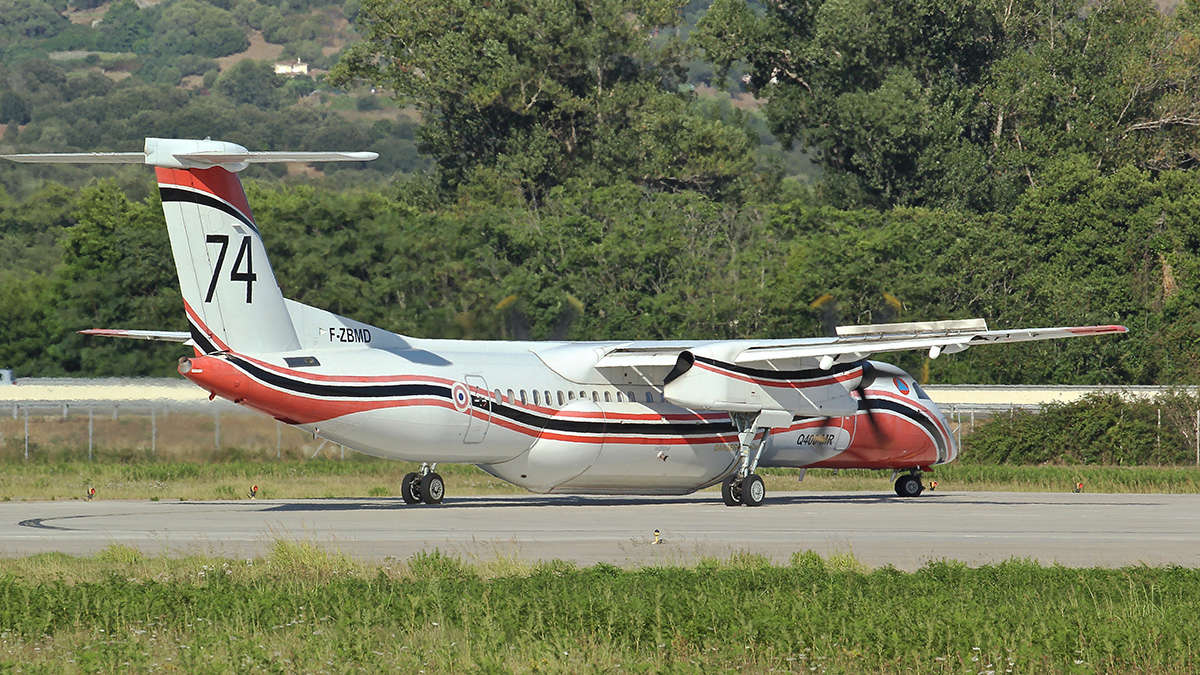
340, 390
173, 194
913, 414
484, 404
807, 374
612, 426
206, 346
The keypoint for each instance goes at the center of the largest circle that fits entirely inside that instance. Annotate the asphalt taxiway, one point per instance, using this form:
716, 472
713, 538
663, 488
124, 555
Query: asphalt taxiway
975, 527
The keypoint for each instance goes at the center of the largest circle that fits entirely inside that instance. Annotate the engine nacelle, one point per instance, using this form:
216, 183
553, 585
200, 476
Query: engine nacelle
705, 382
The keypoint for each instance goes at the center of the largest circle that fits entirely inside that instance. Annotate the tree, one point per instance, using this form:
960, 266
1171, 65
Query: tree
13, 109
191, 27
530, 93
962, 104
253, 82
883, 92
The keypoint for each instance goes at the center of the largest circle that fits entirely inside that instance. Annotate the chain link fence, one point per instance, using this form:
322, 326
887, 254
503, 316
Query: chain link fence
91, 431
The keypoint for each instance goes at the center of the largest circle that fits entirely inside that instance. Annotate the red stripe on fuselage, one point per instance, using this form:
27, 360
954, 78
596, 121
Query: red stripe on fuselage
230, 382
204, 327
215, 181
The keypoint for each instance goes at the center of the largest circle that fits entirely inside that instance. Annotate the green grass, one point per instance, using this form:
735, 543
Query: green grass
358, 476
302, 608
1007, 478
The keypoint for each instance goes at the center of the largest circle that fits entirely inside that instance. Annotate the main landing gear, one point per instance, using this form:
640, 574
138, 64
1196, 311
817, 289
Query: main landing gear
909, 485
423, 485
746, 487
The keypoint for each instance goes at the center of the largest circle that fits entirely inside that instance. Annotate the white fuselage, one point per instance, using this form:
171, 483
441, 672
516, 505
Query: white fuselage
508, 407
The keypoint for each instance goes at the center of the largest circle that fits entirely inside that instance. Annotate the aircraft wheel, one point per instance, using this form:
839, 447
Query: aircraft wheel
432, 488
731, 493
409, 486
909, 485
753, 490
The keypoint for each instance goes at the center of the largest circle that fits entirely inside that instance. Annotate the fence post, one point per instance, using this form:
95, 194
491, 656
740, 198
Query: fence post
1198, 438
1158, 434
26, 434
958, 426
153, 432
278, 433
91, 430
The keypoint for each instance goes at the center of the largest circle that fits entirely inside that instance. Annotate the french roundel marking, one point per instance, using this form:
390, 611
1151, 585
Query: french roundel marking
462, 398
901, 385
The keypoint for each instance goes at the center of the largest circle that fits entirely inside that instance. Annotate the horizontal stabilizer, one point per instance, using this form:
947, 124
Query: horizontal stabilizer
221, 159
159, 335
190, 154
80, 158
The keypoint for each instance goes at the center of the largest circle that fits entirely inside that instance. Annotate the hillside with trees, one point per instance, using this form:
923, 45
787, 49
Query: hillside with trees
1029, 163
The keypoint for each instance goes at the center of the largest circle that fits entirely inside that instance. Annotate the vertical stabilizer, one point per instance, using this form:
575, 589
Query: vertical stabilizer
229, 290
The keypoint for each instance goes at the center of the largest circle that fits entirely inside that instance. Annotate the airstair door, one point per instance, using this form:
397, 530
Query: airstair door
481, 409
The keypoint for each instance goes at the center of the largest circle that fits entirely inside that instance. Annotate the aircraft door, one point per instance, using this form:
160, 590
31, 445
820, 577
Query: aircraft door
481, 409
849, 423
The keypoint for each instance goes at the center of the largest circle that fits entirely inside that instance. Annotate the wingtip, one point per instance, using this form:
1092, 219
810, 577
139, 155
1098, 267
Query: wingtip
1099, 330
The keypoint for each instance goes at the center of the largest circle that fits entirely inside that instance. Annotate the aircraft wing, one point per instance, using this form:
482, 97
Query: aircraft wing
851, 344
159, 335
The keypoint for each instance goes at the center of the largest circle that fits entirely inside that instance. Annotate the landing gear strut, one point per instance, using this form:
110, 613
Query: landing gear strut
909, 485
745, 487
423, 485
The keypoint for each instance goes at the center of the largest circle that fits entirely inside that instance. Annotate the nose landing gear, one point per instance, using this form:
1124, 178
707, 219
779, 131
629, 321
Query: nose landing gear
423, 485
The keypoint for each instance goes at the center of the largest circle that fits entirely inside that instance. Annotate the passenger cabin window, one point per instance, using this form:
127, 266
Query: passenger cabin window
497, 395
632, 397
522, 397
560, 399
583, 395
596, 396
535, 397
620, 397
549, 402
570, 396
649, 397
608, 397
511, 398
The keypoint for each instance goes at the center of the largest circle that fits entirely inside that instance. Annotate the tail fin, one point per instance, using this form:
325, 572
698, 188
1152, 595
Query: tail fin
229, 291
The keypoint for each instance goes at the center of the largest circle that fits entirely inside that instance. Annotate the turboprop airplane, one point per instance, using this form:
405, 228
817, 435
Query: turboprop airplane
617, 417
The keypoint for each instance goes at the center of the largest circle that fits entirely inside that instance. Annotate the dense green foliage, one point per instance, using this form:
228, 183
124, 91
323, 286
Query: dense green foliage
618, 261
965, 104
123, 611
535, 93
1099, 429
1024, 163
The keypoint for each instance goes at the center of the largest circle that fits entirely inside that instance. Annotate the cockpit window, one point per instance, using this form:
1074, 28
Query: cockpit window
920, 392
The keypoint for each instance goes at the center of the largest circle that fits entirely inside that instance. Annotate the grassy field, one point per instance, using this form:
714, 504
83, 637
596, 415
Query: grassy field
230, 475
302, 609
